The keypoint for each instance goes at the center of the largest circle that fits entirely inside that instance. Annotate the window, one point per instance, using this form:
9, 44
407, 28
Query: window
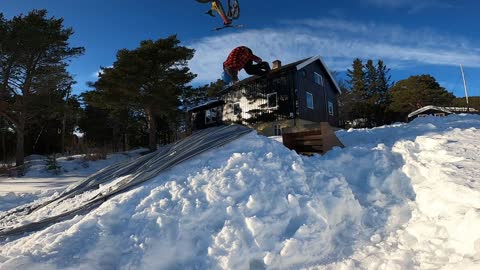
330, 108
236, 109
318, 78
440, 114
211, 116
309, 98
277, 130
272, 101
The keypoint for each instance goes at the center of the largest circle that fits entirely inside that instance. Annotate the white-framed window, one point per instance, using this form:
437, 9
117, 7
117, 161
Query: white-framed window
330, 108
237, 109
277, 130
309, 98
272, 100
440, 114
211, 116
318, 78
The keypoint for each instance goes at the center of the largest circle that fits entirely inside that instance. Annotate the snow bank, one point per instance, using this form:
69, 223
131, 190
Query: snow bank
39, 182
397, 197
441, 159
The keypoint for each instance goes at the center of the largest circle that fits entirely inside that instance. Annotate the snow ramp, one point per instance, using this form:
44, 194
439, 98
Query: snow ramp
113, 180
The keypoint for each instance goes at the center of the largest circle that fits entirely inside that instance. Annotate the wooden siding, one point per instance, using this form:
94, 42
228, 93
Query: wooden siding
321, 95
249, 104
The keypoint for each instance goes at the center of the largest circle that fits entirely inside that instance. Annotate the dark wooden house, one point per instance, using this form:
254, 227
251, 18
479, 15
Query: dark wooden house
293, 95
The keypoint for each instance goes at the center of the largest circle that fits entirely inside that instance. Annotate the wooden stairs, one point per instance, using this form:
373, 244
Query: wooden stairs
311, 139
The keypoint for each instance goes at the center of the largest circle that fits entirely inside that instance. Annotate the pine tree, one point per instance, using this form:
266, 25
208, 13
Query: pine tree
357, 77
371, 95
33, 55
418, 91
151, 77
384, 84
371, 82
358, 90
110, 119
368, 96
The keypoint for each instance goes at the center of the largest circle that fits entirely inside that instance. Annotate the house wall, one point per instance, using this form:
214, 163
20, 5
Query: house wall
199, 119
322, 94
428, 112
249, 104
268, 129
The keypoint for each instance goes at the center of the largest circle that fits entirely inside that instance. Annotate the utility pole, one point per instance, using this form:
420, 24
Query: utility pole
465, 87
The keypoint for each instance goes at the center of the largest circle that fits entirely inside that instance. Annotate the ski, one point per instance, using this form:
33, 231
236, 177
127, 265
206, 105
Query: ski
228, 26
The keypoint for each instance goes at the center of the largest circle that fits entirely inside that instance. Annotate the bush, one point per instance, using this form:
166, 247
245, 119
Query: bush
52, 164
4, 169
8, 170
96, 154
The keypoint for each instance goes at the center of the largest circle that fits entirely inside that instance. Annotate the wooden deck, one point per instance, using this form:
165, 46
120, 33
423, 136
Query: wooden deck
311, 139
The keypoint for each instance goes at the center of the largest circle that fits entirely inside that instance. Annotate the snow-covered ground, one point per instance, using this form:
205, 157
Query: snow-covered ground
405, 196
40, 182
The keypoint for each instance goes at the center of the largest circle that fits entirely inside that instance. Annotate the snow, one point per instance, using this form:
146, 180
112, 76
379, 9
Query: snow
39, 182
404, 196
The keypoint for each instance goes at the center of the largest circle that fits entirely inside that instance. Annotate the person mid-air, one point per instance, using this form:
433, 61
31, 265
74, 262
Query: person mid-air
242, 58
232, 13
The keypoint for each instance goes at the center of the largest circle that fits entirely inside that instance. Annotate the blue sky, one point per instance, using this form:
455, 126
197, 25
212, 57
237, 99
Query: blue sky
411, 36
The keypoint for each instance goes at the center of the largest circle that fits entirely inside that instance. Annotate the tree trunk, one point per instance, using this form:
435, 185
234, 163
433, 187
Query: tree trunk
20, 151
64, 128
4, 146
125, 142
116, 139
64, 122
152, 130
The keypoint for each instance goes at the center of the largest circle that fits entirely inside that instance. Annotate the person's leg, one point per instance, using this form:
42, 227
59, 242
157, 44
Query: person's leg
250, 68
226, 78
257, 69
217, 5
265, 67
233, 74
230, 76
233, 10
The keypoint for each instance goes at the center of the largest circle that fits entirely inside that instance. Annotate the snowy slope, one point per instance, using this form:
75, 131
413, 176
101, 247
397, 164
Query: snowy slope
405, 196
40, 182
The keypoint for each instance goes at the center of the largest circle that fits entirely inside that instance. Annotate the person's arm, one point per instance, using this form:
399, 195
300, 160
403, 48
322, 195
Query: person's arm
255, 58
247, 52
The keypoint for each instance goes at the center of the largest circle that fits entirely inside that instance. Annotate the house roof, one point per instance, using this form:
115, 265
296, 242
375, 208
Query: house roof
291, 66
461, 109
283, 68
319, 58
204, 105
429, 107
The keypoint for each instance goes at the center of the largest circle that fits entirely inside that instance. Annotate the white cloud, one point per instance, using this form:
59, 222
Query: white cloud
339, 42
97, 73
411, 5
